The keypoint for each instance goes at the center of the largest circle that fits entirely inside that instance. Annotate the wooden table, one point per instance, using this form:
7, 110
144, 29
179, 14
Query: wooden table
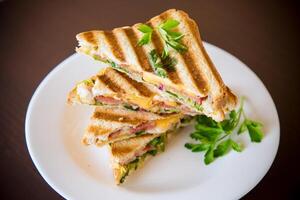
36, 36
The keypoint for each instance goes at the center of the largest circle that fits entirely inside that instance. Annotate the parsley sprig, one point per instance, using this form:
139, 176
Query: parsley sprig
160, 64
172, 39
216, 137
157, 64
147, 34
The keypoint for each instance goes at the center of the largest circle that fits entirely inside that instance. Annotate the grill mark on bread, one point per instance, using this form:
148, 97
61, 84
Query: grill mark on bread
195, 32
126, 146
97, 130
90, 37
107, 81
117, 118
197, 76
189, 61
114, 45
156, 41
140, 87
139, 51
159, 46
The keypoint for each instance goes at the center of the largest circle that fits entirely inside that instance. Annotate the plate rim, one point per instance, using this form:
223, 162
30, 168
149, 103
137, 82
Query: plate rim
60, 66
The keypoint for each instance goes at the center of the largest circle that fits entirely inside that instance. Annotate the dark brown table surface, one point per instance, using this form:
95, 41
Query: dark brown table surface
37, 35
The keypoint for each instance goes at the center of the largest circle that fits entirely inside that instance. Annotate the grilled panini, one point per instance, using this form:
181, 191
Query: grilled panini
113, 88
114, 124
192, 81
129, 155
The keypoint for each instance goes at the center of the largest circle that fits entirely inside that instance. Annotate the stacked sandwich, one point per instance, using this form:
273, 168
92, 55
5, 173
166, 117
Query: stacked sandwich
158, 76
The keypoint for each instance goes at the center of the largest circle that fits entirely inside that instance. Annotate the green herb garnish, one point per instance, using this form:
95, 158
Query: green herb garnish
254, 128
170, 37
157, 64
147, 34
172, 94
160, 64
159, 142
139, 133
130, 166
152, 152
130, 107
216, 137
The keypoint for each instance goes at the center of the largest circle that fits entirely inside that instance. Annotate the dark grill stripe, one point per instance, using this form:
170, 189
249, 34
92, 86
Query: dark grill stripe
194, 30
189, 62
89, 36
114, 45
194, 72
157, 43
143, 90
117, 118
98, 130
139, 51
113, 86
164, 16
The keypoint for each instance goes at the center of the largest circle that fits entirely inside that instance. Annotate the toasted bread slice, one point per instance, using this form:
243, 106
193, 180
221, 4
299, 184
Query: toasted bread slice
130, 155
114, 124
113, 88
194, 81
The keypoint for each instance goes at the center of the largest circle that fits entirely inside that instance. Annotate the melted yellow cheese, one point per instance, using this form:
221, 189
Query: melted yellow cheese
171, 103
165, 124
150, 78
142, 102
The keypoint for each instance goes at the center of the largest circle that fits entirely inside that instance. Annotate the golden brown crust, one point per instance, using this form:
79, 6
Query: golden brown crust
122, 118
128, 148
110, 83
139, 51
90, 37
140, 87
159, 46
114, 45
195, 74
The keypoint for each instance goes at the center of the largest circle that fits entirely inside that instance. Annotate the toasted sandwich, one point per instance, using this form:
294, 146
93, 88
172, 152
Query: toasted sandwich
113, 88
189, 76
113, 124
130, 155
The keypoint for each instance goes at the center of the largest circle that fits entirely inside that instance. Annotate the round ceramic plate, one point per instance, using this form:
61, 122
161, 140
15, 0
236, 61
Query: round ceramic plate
54, 131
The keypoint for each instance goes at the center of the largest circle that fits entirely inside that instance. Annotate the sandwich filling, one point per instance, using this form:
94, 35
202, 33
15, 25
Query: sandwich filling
87, 92
155, 146
193, 104
150, 127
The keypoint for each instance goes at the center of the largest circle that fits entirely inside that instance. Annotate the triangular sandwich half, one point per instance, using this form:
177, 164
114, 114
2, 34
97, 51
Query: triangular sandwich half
131, 154
114, 124
113, 88
169, 54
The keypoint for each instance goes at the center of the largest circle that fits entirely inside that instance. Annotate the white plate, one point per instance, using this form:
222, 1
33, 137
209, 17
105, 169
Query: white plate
54, 130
